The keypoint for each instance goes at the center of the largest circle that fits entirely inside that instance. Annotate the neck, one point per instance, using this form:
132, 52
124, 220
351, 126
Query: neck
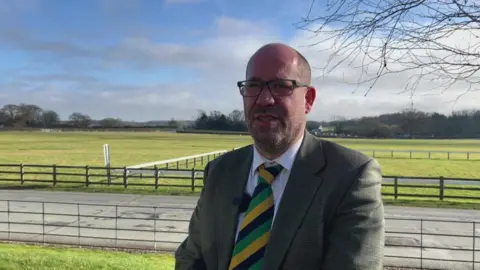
272, 153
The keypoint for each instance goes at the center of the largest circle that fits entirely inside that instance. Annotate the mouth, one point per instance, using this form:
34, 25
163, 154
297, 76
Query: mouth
266, 118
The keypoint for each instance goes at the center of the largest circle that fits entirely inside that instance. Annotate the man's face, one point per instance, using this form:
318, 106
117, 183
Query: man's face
274, 121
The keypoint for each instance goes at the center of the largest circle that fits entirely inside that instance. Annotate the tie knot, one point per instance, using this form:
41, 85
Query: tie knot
270, 173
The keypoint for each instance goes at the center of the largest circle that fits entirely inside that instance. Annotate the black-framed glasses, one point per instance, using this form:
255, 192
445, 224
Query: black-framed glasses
279, 87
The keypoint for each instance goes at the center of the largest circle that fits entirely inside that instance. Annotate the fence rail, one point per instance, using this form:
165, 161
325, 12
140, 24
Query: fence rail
410, 242
422, 154
190, 180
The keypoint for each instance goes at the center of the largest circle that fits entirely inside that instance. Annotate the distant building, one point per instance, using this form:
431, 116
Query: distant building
318, 131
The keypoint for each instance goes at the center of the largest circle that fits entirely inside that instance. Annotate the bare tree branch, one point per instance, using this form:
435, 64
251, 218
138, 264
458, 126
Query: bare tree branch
435, 41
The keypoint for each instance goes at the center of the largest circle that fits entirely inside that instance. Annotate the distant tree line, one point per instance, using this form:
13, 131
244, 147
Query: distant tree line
234, 121
32, 116
215, 120
411, 123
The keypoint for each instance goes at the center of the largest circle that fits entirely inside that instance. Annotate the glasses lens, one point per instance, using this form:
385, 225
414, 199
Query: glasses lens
250, 88
277, 88
281, 87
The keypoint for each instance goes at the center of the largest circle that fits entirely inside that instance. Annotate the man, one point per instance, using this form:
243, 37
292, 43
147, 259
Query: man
290, 201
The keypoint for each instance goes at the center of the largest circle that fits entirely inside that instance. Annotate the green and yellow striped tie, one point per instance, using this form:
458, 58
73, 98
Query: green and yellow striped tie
254, 231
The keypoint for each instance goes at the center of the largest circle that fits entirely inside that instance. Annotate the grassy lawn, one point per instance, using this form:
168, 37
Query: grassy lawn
130, 148
28, 257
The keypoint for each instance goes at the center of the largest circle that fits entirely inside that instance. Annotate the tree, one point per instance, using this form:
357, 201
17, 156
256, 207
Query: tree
80, 120
110, 122
427, 40
31, 115
3, 118
237, 116
50, 118
173, 123
11, 112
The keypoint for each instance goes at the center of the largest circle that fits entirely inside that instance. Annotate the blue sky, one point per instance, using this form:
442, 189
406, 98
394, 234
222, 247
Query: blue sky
143, 60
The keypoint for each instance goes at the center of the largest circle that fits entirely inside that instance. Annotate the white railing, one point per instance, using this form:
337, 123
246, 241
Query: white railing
186, 162
175, 160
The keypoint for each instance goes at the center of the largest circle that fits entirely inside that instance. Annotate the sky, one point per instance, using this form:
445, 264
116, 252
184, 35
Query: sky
157, 60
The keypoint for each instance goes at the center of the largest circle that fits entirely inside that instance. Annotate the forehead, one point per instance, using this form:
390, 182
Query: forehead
269, 65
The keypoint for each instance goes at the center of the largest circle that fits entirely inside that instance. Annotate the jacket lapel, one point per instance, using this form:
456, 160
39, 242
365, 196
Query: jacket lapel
232, 186
303, 183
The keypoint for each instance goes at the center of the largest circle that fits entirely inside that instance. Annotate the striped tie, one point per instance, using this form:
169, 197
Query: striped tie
255, 229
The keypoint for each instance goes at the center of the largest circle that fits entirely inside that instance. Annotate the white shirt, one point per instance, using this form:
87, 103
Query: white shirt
286, 160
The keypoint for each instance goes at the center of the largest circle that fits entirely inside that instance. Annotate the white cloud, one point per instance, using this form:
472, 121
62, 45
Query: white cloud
217, 63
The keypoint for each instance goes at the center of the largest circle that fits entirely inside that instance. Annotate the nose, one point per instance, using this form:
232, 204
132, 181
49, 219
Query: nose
265, 97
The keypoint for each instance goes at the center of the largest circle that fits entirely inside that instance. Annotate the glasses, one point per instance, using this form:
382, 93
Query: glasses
279, 88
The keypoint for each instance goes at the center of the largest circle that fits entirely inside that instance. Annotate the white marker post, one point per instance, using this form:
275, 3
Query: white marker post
106, 155
106, 158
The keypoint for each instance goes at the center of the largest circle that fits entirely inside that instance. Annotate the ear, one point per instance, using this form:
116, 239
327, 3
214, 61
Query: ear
310, 96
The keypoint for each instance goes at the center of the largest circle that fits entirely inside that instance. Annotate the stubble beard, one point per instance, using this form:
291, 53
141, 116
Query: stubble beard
272, 141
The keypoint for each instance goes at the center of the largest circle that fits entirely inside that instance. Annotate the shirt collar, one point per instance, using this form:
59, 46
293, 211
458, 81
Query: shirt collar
286, 159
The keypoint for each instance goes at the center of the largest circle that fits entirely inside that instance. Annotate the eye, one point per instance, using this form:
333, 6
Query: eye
280, 84
252, 84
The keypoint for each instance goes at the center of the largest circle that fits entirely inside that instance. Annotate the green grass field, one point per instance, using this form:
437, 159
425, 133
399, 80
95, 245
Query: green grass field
136, 148
29, 257
131, 148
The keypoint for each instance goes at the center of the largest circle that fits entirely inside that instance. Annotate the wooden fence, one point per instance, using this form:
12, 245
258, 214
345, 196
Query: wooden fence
190, 180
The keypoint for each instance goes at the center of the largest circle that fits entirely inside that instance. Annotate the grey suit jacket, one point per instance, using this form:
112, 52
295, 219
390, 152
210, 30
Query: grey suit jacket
331, 215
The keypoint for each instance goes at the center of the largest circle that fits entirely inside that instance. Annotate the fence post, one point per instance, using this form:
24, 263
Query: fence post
154, 228
87, 176
125, 181
468, 155
54, 174
194, 162
22, 174
421, 243
116, 225
442, 187
474, 237
193, 179
43, 222
448, 155
8, 219
395, 187
156, 177
78, 223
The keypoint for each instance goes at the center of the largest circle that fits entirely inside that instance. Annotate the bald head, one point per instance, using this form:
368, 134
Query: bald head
285, 56
277, 116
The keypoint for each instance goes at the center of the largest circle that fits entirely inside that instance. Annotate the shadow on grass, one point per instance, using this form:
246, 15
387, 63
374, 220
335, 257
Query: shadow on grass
25, 187
103, 188
432, 203
433, 159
